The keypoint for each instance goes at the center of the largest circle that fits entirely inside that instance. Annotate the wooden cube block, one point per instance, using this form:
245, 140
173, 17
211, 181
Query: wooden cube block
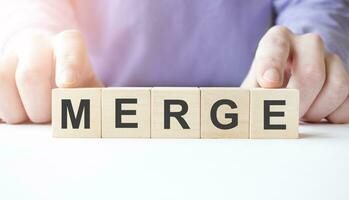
126, 112
225, 113
175, 113
274, 113
76, 113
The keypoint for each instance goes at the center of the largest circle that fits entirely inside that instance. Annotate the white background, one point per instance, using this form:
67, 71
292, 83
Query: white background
33, 165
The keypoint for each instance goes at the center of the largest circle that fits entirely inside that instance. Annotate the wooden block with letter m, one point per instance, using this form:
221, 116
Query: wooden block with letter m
76, 113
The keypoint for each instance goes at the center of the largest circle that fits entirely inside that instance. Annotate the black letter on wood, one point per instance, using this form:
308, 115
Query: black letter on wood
119, 112
268, 114
178, 115
84, 107
232, 116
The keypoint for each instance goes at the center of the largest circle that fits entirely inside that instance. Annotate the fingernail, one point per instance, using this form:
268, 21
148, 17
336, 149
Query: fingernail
272, 75
67, 77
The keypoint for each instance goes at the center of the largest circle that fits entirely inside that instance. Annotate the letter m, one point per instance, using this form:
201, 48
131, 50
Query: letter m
84, 108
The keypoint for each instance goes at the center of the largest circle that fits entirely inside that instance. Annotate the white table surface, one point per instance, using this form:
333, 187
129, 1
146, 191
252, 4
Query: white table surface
33, 165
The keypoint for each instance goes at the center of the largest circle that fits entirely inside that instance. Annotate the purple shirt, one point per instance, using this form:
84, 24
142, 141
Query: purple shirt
176, 42
184, 42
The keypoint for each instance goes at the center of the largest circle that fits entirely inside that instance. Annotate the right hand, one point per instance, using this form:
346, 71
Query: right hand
35, 63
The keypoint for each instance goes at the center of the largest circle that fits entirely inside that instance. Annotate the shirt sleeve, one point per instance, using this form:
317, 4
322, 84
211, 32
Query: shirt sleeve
328, 18
46, 16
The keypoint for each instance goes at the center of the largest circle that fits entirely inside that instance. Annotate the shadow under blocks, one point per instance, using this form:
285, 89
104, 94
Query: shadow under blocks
175, 112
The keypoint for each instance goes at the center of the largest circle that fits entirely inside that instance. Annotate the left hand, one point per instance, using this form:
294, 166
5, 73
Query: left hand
300, 61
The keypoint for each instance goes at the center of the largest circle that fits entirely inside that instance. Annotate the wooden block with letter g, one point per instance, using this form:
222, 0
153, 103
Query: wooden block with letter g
76, 113
225, 113
274, 113
126, 112
175, 112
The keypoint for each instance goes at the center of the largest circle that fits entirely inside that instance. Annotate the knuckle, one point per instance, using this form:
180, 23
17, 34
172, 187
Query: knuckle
340, 86
276, 40
72, 35
315, 39
33, 44
334, 57
339, 80
33, 40
277, 36
34, 37
28, 77
282, 30
314, 73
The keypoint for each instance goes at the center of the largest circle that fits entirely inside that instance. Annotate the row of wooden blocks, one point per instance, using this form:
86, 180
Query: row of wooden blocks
161, 112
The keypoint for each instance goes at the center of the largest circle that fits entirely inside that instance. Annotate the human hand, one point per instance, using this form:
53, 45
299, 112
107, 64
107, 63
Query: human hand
300, 61
35, 63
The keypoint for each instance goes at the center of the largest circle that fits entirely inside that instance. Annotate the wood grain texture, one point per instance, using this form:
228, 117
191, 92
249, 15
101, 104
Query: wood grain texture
192, 117
290, 110
76, 96
141, 116
237, 96
251, 109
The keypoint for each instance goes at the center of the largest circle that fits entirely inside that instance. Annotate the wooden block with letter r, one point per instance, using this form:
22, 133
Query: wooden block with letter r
175, 112
126, 112
225, 113
76, 113
274, 113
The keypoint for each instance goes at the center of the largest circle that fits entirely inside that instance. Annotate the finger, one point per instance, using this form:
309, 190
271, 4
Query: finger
341, 114
333, 93
73, 68
271, 57
308, 69
11, 107
33, 78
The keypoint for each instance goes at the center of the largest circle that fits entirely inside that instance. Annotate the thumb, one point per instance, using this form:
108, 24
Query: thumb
73, 68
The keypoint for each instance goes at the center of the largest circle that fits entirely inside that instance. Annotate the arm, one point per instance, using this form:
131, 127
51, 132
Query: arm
327, 18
